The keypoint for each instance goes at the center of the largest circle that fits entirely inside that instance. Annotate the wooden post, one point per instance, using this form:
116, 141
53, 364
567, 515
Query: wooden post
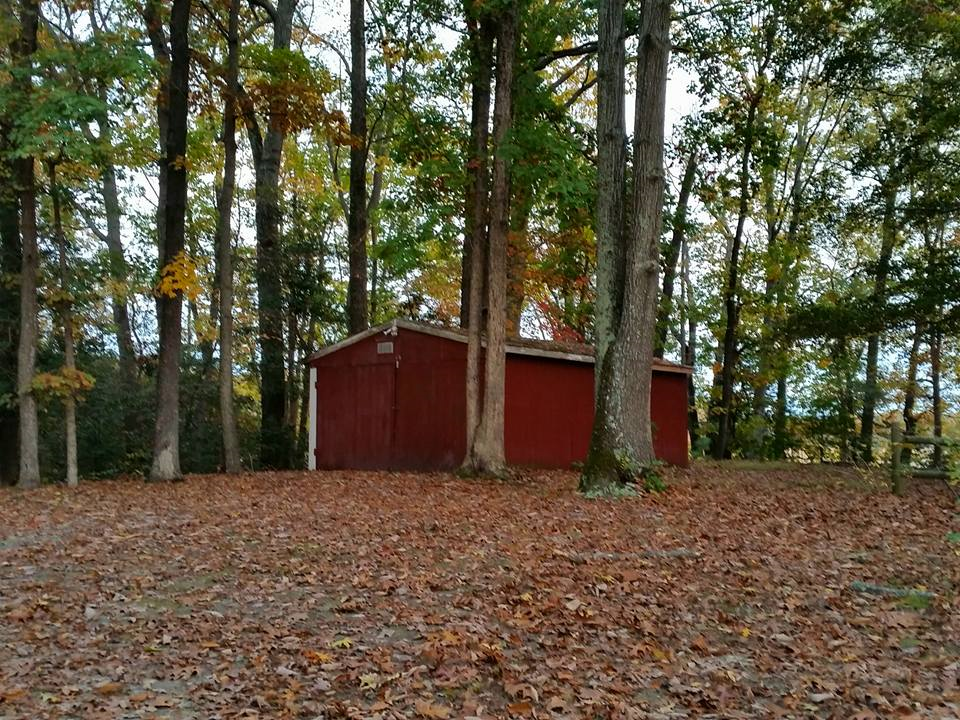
896, 443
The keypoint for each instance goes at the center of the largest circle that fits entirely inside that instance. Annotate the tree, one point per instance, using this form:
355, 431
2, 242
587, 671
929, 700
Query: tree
119, 270
267, 150
358, 221
756, 87
485, 454
10, 265
672, 254
224, 249
23, 50
621, 446
69, 346
166, 448
476, 211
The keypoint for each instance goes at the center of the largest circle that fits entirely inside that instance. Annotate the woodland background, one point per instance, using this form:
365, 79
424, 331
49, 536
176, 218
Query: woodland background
809, 254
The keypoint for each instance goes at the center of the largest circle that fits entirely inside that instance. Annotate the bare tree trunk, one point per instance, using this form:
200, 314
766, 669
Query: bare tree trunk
152, 17
480, 42
936, 343
910, 391
871, 390
267, 151
119, 273
66, 314
635, 337
772, 268
228, 420
10, 266
731, 300
306, 348
672, 254
517, 253
726, 420
23, 49
119, 270
357, 317
611, 159
622, 442
476, 215
840, 357
607, 435
166, 446
373, 205
293, 394
486, 454
690, 348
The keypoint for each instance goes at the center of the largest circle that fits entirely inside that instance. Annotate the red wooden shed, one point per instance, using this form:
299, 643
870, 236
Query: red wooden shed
394, 398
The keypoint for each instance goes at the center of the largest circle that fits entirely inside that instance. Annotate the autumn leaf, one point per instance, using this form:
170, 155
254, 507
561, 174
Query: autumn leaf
13, 694
108, 688
428, 709
317, 656
179, 276
520, 708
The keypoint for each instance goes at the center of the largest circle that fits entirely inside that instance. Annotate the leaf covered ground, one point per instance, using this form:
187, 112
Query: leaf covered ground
372, 595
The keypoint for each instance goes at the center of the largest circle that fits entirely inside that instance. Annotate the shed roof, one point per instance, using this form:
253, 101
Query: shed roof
575, 352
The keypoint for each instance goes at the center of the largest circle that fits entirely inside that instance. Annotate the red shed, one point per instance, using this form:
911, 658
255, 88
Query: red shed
394, 398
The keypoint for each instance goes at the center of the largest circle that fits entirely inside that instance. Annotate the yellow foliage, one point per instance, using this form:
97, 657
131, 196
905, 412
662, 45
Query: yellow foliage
67, 382
205, 329
179, 276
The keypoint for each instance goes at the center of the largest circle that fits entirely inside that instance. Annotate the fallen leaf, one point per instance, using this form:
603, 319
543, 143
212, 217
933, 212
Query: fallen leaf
428, 709
108, 688
520, 708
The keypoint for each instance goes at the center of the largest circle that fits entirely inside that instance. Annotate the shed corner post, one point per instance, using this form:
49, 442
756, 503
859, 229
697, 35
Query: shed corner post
312, 428
896, 471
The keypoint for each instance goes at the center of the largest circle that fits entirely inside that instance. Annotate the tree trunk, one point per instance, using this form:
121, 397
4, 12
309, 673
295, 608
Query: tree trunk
24, 48
871, 383
293, 389
357, 220
66, 314
841, 359
518, 251
267, 152
731, 302
936, 344
166, 445
161, 54
306, 349
910, 392
772, 271
779, 449
476, 213
690, 348
611, 159
10, 266
486, 454
228, 420
480, 43
119, 271
673, 252
622, 442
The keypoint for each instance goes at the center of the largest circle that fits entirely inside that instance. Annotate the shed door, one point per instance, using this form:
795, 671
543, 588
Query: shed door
355, 414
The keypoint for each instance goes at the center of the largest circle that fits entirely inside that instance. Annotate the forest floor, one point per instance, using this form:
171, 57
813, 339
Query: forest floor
373, 595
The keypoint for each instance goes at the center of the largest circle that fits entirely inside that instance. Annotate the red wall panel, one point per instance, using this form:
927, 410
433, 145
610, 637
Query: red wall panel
549, 411
431, 405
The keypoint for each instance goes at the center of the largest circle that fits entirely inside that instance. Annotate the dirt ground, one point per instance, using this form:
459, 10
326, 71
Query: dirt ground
741, 592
